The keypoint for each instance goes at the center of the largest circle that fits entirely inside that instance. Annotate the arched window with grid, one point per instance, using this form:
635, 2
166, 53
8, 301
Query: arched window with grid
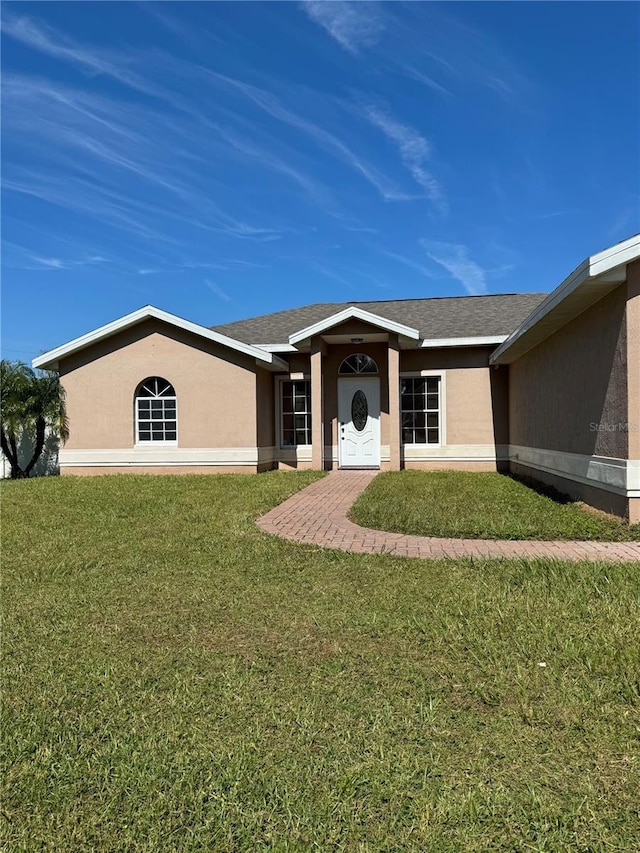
358, 363
156, 412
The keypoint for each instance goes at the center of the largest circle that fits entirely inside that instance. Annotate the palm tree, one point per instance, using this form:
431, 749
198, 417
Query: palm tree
31, 403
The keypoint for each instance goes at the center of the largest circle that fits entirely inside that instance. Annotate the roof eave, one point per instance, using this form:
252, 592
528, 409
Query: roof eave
594, 278
50, 360
474, 341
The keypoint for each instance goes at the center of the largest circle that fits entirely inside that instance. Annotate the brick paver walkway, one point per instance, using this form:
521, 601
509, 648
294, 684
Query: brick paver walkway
318, 515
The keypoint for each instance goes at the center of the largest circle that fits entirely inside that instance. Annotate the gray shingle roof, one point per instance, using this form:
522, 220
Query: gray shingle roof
440, 317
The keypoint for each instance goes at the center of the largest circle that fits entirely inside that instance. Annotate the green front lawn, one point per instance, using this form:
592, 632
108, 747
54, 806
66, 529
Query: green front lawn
477, 505
176, 680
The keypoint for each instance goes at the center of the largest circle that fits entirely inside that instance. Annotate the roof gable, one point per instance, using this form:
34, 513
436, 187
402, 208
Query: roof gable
353, 313
49, 360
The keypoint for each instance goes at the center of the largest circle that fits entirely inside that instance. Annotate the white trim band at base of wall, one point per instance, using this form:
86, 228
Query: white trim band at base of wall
453, 452
621, 476
151, 457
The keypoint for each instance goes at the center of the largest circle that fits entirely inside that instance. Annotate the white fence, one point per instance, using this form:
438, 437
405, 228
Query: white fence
46, 466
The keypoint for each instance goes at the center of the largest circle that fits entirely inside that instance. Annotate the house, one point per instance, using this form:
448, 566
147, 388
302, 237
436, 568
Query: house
547, 386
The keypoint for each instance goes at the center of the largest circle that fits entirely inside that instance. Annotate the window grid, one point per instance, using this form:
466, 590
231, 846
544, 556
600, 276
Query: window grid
296, 412
358, 363
156, 412
420, 404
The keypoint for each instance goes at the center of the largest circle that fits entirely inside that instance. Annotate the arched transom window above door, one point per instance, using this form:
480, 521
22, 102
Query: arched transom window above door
358, 363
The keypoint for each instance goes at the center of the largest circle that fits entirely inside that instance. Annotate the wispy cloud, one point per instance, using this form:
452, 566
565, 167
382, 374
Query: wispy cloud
218, 291
410, 262
627, 221
228, 265
239, 262
25, 259
354, 25
194, 38
419, 77
52, 263
328, 141
269, 159
90, 144
375, 281
414, 152
436, 36
361, 229
555, 213
454, 257
45, 39
332, 274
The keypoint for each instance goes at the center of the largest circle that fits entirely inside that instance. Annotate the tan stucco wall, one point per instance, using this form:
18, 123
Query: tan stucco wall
393, 372
476, 394
299, 363
633, 376
100, 383
574, 380
291, 465
633, 359
265, 408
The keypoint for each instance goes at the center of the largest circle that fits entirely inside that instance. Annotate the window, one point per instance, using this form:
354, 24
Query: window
156, 412
358, 363
420, 404
296, 412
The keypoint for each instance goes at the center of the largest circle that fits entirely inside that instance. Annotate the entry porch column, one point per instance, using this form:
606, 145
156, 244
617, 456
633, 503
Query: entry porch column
317, 404
394, 402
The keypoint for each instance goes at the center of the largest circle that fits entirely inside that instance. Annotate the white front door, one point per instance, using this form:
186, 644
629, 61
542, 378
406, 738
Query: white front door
359, 422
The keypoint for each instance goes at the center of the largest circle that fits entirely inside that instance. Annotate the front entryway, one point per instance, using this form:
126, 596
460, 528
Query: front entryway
359, 422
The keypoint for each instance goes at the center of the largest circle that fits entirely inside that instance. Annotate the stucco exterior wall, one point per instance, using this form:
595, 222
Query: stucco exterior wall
476, 414
570, 392
265, 409
574, 404
633, 381
100, 383
476, 394
300, 363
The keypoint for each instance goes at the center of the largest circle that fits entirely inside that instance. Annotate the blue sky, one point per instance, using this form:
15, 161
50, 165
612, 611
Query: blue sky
221, 160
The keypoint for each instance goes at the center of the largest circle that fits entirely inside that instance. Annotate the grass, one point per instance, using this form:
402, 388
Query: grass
176, 680
476, 505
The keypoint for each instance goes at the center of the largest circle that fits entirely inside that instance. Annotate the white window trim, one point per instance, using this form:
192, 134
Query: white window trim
290, 452
423, 374
152, 443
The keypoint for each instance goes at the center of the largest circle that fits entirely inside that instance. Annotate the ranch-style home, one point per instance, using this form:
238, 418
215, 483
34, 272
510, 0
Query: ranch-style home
544, 385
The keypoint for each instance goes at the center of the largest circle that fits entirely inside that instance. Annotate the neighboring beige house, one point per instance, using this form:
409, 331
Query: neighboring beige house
547, 386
